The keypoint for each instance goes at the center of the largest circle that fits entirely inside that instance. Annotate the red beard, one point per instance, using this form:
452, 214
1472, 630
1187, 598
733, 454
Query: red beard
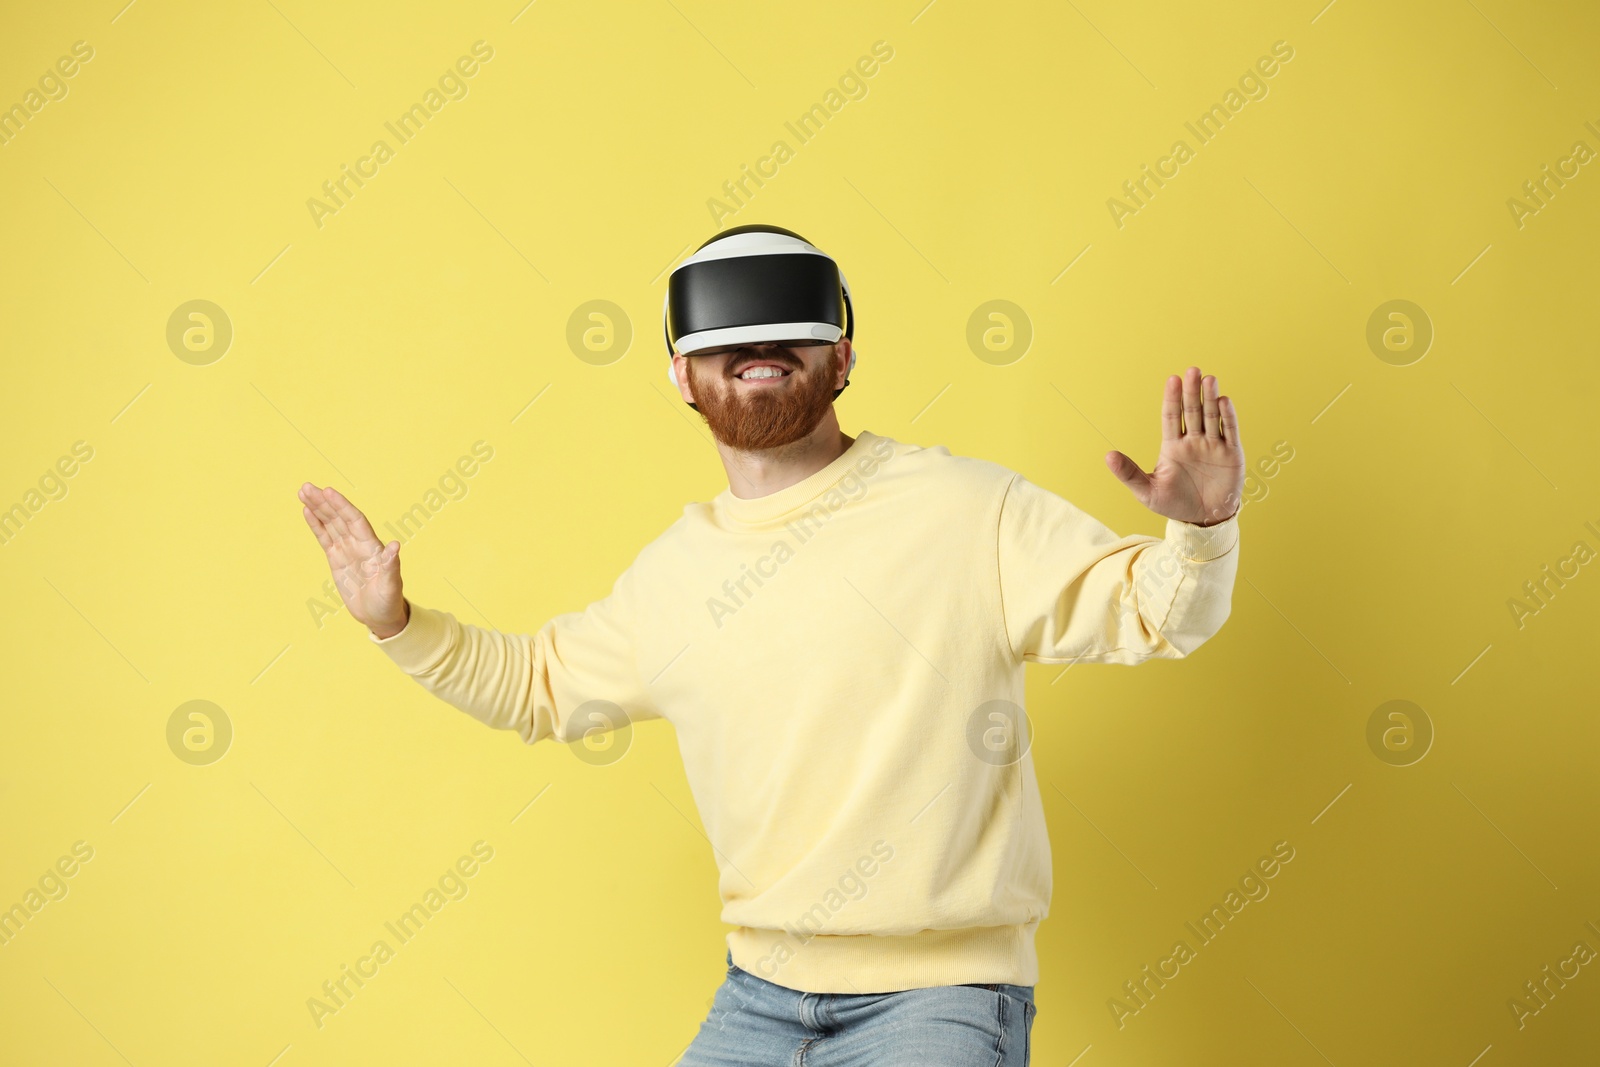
765, 417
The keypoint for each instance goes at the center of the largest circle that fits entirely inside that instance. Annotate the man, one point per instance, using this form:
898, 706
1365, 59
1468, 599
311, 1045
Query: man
838, 639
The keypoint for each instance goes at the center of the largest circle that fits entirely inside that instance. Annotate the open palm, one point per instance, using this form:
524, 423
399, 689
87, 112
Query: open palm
1199, 473
365, 570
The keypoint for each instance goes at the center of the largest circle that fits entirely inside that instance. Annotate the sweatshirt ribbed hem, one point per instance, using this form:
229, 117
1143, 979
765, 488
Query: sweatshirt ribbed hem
1202, 544
873, 963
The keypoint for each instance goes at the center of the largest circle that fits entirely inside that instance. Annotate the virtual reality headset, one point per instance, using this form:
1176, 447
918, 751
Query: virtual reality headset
753, 284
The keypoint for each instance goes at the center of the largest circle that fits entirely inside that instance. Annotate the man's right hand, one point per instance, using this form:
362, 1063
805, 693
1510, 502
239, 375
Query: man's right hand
365, 570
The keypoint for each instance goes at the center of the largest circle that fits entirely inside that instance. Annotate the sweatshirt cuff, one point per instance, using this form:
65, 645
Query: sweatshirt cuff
1202, 544
421, 644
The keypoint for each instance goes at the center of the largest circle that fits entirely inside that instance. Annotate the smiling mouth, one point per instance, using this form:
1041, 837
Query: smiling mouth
763, 373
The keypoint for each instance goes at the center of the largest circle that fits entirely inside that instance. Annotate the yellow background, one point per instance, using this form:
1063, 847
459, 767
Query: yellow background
370, 353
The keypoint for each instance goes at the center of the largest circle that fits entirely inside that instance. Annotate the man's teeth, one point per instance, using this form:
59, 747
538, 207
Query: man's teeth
763, 372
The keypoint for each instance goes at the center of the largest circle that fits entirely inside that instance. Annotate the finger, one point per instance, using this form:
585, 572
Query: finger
324, 538
1129, 473
381, 562
1208, 386
318, 501
1230, 421
340, 549
1193, 424
355, 523
1171, 410
344, 546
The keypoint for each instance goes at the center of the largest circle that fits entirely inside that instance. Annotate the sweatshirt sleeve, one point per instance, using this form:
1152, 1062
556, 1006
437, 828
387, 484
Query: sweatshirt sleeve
1071, 590
538, 684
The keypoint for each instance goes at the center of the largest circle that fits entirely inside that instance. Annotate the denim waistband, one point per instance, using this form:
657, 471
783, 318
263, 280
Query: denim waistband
1019, 992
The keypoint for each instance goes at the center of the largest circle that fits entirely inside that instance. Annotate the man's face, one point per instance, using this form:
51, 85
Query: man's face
754, 414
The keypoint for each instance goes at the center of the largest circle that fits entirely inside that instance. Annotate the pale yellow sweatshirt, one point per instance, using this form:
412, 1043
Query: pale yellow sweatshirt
842, 662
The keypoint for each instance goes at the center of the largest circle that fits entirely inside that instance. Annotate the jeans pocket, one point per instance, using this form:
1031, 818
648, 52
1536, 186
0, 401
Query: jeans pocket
1020, 1003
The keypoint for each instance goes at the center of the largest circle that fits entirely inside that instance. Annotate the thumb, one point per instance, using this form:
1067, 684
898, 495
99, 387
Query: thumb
381, 561
1129, 474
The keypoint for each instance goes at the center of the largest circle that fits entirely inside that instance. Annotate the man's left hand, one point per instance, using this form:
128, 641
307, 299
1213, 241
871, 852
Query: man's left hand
1199, 474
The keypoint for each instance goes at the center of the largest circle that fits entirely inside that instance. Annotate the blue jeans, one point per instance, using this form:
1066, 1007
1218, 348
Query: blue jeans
757, 1023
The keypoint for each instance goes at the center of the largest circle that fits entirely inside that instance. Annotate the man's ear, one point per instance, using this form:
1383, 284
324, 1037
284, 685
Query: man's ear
842, 346
680, 367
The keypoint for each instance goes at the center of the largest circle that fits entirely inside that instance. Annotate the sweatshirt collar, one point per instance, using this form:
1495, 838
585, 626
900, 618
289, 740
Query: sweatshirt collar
762, 509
